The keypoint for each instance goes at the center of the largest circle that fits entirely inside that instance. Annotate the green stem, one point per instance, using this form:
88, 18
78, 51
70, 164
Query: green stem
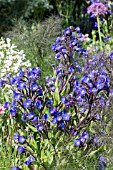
100, 38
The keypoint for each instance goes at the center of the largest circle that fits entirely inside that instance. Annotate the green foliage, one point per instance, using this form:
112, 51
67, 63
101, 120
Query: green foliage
25, 9
36, 40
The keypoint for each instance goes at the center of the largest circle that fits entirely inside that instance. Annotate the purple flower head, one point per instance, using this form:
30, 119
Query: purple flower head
93, 90
31, 115
64, 100
15, 168
1, 83
59, 118
58, 39
58, 56
21, 73
16, 136
45, 117
21, 149
13, 102
111, 55
67, 32
97, 117
82, 92
66, 117
27, 103
23, 118
71, 69
14, 80
96, 140
82, 139
97, 9
39, 127
62, 125
16, 95
108, 38
53, 111
77, 142
36, 71
85, 135
21, 85
39, 104
13, 111
54, 120
29, 160
21, 139
6, 105
39, 92
34, 87
78, 29
49, 102
35, 119
101, 159
93, 1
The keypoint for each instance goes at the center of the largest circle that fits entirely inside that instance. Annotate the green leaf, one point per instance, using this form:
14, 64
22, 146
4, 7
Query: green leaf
33, 144
32, 128
95, 151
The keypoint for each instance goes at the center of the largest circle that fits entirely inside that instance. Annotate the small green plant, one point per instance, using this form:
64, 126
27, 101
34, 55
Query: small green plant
36, 39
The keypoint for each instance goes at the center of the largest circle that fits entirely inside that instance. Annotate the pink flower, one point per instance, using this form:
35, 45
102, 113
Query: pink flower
2, 109
97, 9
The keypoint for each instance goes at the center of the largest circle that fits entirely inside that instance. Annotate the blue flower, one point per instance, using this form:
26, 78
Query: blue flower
27, 103
53, 111
77, 142
13, 111
64, 100
58, 39
17, 96
78, 29
24, 115
39, 92
97, 117
39, 127
29, 160
21, 73
31, 115
59, 118
14, 80
62, 125
71, 70
6, 105
49, 102
1, 83
35, 119
21, 149
16, 136
67, 31
21, 139
82, 139
45, 117
34, 87
15, 168
111, 56
54, 120
85, 135
66, 117
21, 85
39, 104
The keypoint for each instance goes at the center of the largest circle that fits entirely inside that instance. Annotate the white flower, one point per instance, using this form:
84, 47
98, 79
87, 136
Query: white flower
11, 59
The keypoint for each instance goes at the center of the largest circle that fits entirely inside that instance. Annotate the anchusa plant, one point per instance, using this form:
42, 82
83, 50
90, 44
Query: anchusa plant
60, 108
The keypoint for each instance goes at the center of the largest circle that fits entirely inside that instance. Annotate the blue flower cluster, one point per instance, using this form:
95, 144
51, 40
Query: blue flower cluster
80, 141
64, 102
